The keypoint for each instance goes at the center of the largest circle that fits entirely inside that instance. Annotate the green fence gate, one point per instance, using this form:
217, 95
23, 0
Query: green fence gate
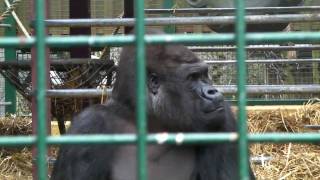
241, 38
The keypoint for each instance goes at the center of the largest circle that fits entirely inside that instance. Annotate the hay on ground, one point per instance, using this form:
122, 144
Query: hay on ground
289, 160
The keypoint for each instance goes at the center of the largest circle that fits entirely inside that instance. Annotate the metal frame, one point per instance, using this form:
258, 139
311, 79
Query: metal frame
204, 20
225, 89
292, 9
142, 138
256, 48
9, 54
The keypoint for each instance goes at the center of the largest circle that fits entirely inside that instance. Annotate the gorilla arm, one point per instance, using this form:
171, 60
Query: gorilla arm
84, 162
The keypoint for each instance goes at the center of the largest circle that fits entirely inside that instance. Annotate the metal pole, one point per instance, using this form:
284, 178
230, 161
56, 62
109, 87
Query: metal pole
257, 48
80, 93
205, 20
169, 4
41, 85
266, 61
292, 9
5, 103
186, 39
225, 89
240, 31
141, 91
128, 12
9, 55
270, 89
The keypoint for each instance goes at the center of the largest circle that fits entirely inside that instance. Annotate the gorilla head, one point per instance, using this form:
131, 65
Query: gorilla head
180, 96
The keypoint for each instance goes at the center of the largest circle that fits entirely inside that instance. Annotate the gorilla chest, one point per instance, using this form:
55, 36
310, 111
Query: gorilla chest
170, 163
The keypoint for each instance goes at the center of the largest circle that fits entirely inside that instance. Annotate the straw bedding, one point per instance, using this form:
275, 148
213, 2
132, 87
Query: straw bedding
289, 161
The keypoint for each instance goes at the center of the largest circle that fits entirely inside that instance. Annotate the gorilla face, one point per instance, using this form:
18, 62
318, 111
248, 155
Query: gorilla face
181, 96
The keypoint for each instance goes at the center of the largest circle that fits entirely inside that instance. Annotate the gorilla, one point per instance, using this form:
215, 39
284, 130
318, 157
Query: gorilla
180, 98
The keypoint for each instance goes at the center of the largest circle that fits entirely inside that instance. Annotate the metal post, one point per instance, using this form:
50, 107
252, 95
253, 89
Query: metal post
41, 90
78, 9
169, 4
10, 55
242, 96
128, 12
141, 91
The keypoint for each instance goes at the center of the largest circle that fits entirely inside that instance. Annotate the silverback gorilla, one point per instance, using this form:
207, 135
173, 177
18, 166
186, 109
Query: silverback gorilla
180, 98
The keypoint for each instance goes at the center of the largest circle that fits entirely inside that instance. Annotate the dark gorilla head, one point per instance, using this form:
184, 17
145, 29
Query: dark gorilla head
180, 96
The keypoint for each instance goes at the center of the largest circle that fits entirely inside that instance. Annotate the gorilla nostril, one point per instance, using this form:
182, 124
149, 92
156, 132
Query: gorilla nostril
212, 91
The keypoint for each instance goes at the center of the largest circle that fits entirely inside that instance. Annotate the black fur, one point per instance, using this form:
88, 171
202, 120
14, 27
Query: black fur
180, 99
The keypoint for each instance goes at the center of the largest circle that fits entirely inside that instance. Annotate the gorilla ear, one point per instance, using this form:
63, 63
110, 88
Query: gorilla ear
153, 83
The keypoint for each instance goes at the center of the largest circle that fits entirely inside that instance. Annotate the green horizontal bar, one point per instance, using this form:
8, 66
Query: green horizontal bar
97, 41
190, 39
172, 138
93, 139
252, 102
195, 138
16, 42
6, 141
284, 137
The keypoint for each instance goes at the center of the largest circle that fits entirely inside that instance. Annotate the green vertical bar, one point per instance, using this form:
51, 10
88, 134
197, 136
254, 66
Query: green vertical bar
242, 76
168, 4
40, 90
10, 55
141, 90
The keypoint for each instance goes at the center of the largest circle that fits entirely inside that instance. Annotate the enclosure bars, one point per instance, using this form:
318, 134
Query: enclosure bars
140, 91
242, 96
41, 90
41, 139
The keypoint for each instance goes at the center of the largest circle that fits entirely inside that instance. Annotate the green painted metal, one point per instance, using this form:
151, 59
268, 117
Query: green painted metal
168, 4
41, 90
141, 138
187, 39
17, 141
188, 138
10, 55
252, 102
141, 91
242, 95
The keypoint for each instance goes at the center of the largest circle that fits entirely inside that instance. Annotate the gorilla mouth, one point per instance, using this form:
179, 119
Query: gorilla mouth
213, 109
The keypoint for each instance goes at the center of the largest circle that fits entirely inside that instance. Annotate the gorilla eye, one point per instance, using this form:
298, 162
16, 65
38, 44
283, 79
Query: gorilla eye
153, 83
154, 79
194, 76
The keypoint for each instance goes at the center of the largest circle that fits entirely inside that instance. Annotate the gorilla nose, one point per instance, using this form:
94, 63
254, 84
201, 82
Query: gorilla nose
211, 93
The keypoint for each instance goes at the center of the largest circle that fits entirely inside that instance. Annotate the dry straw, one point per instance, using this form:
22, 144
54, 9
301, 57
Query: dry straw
289, 161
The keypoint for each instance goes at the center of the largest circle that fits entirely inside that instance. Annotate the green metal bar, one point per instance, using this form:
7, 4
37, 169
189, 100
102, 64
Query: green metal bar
16, 42
251, 102
10, 54
172, 138
168, 4
242, 95
8, 141
202, 39
284, 137
141, 91
41, 90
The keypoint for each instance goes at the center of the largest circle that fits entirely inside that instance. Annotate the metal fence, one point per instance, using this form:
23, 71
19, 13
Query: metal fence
41, 140
2, 90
